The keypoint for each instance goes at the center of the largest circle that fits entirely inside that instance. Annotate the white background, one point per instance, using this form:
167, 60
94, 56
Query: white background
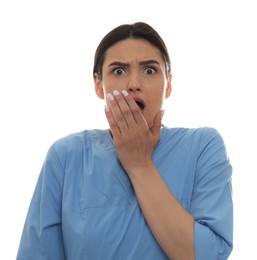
46, 89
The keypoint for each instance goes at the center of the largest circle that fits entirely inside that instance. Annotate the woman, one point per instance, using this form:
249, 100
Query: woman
139, 190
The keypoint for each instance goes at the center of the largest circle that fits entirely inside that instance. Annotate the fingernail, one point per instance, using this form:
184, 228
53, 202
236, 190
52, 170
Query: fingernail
110, 96
124, 92
116, 92
106, 107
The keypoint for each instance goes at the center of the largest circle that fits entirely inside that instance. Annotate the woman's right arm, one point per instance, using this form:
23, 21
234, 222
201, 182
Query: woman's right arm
42, 234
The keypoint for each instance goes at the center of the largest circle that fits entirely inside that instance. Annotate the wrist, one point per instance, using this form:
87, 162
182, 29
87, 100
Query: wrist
142, 169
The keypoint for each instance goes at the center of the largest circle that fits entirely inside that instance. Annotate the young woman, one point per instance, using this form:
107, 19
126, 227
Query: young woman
138, 190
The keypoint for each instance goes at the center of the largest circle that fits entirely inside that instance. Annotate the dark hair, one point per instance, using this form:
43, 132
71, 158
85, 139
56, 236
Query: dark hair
137, 30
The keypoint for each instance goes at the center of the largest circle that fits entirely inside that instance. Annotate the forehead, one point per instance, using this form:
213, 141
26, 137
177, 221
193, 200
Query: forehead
133, 49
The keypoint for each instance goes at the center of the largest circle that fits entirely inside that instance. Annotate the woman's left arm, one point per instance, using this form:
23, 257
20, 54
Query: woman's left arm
171, 224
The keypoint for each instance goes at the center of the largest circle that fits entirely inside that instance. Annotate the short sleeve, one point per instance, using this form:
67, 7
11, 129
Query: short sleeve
42, 233
211, 204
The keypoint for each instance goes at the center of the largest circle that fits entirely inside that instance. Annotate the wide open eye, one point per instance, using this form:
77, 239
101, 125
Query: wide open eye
118, 71
150, 70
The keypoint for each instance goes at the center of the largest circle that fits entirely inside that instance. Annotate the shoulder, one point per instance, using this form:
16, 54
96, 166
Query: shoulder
202, 139
200, 135
77, 142
191, 131
71, 141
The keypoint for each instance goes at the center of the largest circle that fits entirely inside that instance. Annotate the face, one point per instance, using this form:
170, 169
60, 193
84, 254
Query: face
138, 67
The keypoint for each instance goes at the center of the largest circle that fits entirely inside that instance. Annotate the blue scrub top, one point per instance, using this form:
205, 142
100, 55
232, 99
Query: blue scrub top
84, 205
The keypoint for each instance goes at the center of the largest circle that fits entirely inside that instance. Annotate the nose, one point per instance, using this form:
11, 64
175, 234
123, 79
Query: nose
134, 84
134, 89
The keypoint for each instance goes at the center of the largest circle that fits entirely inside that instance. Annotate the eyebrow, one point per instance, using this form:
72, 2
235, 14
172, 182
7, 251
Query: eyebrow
123, 64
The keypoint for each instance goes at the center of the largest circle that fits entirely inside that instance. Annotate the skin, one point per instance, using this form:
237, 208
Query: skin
134, 68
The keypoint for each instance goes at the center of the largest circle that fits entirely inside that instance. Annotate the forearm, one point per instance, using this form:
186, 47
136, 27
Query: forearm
171, 224
135, 142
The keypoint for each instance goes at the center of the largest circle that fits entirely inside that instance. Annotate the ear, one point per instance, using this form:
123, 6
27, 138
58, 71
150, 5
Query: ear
168, 86
98, 86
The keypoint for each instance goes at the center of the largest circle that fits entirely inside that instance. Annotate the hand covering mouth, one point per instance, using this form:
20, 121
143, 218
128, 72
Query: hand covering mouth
140, 103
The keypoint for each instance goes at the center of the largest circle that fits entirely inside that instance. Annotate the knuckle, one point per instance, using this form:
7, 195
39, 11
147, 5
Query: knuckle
114, 105
135, 109
121, 142
126, 112
119, 117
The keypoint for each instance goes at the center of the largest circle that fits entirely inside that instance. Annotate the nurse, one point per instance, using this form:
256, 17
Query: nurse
138, 190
